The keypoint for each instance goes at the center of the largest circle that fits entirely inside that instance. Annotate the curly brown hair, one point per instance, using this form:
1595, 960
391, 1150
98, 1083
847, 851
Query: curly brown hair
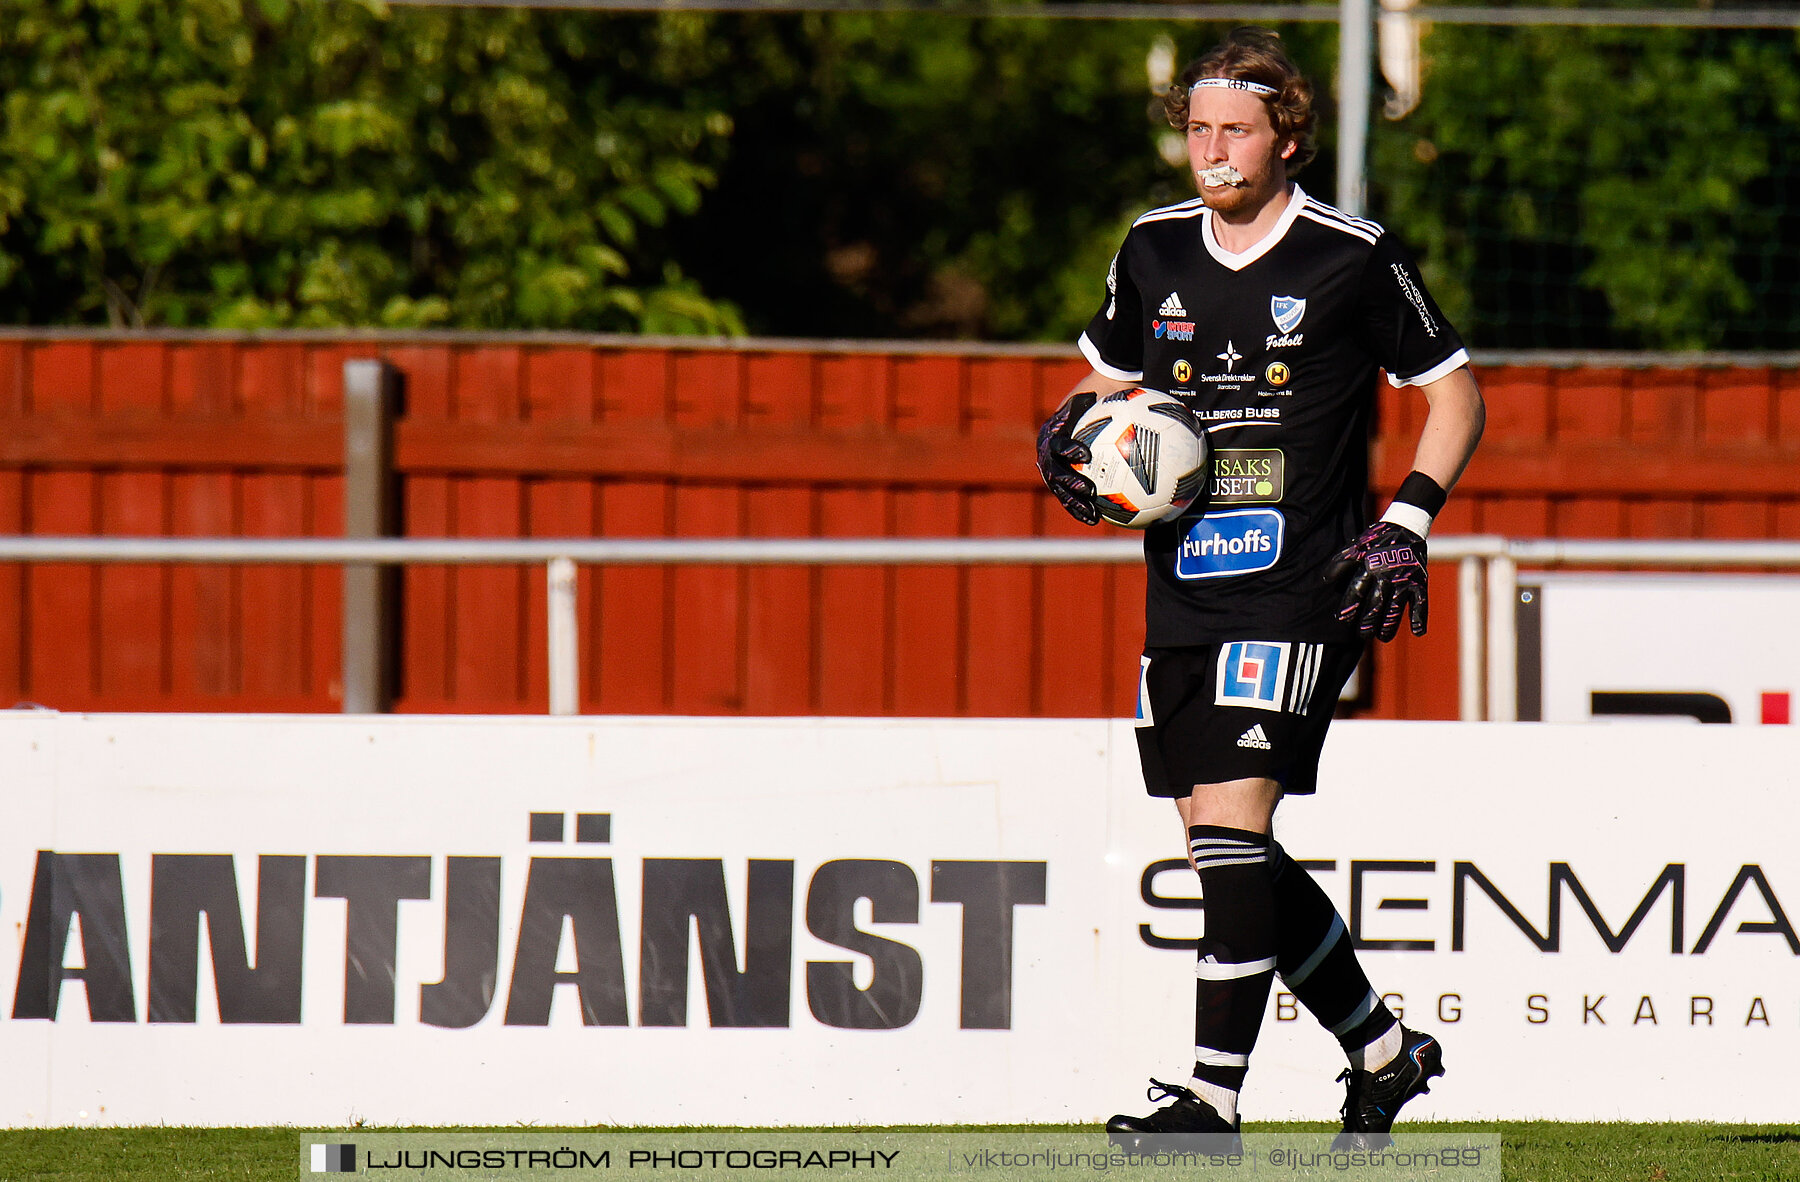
1255, 55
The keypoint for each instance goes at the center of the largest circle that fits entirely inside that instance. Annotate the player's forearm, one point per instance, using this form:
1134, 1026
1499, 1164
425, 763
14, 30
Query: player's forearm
1452, 428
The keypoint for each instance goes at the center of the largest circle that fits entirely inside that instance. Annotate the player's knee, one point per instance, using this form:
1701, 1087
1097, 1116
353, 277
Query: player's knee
1237, 804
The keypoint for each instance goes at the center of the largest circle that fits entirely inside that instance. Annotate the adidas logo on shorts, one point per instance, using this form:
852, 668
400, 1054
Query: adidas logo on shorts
1172, 305
1254, 737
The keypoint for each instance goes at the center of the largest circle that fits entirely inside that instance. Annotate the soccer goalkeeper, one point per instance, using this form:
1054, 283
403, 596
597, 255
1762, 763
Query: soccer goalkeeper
1269, 313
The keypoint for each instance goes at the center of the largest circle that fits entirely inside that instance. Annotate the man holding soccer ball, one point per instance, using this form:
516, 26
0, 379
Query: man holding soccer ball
1268, 313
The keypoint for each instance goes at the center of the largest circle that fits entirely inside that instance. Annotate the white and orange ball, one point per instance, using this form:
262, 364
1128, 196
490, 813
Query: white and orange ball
1149, 456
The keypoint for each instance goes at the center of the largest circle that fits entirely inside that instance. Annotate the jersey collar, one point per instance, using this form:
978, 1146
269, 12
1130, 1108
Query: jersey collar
1237, 262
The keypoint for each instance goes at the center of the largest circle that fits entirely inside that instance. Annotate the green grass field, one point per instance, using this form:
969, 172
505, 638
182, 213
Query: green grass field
1532, 1152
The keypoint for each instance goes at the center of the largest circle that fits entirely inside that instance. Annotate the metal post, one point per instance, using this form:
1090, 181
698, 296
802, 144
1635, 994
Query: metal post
1355, 68
1471, 629
564, 636
371, 593
1503, 640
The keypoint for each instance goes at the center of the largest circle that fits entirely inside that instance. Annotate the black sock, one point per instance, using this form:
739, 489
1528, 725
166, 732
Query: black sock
1316, 961
1236, 958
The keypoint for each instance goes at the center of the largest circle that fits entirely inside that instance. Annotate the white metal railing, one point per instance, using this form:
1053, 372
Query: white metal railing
1487, 573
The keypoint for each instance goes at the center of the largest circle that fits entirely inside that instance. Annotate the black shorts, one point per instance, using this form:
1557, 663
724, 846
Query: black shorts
1212, 713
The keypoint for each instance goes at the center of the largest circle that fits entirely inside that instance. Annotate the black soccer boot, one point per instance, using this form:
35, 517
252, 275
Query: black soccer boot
1188, 1125
1373, 1098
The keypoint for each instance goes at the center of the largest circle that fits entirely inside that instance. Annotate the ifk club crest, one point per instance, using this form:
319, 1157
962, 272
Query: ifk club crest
1287, 311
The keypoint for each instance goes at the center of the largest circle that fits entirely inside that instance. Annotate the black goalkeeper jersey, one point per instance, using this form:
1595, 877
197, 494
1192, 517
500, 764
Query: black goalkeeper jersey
1276, 350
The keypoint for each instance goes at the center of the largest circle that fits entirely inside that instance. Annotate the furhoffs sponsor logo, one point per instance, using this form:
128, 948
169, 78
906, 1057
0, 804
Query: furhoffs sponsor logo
1236, 542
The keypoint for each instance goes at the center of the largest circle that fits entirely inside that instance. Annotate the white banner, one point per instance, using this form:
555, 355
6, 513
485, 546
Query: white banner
253, 920
1604, 646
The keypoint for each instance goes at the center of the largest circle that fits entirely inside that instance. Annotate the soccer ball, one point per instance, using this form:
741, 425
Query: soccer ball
1149, 456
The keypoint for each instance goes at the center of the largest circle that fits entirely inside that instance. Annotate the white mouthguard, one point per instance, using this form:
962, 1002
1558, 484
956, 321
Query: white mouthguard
1223, 174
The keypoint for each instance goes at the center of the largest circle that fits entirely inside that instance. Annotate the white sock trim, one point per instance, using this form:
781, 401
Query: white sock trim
1223, 1100
1379, 1053
1215, 861
1213, 970
1207, 1057
1357, 1015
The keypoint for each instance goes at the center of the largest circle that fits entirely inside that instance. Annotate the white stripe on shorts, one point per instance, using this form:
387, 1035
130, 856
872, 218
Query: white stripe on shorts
1298, 679
1306, 677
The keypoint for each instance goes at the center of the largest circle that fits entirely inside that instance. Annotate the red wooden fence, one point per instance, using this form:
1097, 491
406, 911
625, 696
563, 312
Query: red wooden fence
552, 436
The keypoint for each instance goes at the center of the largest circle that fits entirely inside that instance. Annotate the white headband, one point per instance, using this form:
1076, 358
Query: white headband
1232, 84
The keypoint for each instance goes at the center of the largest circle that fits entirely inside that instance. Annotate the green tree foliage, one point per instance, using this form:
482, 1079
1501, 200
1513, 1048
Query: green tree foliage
1604, 187
923, 175
254, 163
247, 163
927, 176
250, 163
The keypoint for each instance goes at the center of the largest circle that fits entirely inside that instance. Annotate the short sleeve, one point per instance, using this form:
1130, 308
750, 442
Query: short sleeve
1402, 326
1114, 340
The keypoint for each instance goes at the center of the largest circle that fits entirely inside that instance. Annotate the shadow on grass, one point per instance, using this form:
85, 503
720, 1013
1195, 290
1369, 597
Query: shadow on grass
1787, 1138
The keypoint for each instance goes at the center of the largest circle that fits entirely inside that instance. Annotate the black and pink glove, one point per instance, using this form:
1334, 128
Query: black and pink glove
1057, 449
1386, 565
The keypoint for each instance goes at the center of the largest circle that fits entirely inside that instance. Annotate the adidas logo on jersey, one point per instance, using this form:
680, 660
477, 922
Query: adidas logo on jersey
1254, 737
1172, 306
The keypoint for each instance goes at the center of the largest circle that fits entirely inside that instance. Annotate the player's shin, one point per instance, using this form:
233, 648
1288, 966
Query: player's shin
1318, 965
1235, 964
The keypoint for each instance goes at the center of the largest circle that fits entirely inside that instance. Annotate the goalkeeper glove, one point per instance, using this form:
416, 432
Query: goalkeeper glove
1057, 449
1386, 564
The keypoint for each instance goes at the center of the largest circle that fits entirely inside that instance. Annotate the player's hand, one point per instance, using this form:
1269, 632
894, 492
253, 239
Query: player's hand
1386, 565
1057, 449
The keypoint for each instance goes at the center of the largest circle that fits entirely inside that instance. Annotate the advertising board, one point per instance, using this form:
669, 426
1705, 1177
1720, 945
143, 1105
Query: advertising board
630, 921
1702, 648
